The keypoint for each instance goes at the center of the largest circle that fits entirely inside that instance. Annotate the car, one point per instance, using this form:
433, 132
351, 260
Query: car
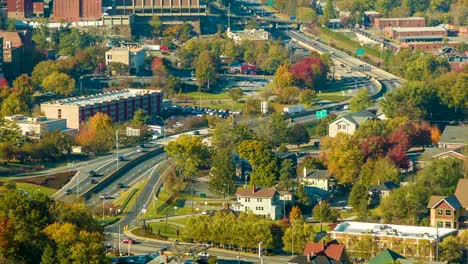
121, 185
92, 174
139, 149
129, 241
345, 107
196, 133
68, 191
93, 181
204, 254
342, 65
348, 208
120, 158
105, 196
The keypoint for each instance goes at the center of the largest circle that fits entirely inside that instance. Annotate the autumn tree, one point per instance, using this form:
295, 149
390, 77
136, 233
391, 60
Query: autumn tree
295, 215
379, 171
360, 101
308, 97
309, 72
435, 134
188, 153
343, 157
95, 135
235, 94
283, 77
59, 83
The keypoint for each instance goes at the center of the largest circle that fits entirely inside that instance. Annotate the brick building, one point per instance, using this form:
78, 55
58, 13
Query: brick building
382, 23
38, 9
119, 105
20, 9
77, 10
427, 46
14, 45
418, 32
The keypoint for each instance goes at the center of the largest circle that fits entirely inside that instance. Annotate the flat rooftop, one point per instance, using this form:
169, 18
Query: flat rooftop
400, 18
101, 97
403, 231
418, 29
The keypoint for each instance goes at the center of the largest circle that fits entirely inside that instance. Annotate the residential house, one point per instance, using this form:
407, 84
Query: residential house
248, 34
261, 201
440, 153
450, 211
318, 182
454, 137
133, 57
387, 256
383, 190
313, 260
349, 123
332, 250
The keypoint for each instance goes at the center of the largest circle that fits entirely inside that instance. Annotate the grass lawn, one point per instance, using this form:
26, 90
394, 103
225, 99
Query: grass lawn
345, 214
208, 96
310, 126
29, 187
333, 97
180, 221
119, 201
316, 227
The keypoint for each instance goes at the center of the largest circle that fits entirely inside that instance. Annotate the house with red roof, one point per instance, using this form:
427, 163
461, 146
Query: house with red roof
260, 201
332, 250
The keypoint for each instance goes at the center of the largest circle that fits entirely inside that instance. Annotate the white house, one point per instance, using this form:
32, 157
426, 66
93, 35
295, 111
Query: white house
133, 57
38, 126
318, 182
261, 201
349, 123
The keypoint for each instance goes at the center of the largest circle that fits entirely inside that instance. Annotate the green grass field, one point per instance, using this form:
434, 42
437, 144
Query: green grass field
124, 194
28, 187
208, 96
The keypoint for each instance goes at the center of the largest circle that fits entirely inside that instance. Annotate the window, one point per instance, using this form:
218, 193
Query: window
247, 199
259, 200
59, 113
448, 212
440, 223
440, 212
448, 224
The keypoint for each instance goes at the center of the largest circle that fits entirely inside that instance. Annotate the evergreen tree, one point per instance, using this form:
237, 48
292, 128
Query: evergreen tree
48, 257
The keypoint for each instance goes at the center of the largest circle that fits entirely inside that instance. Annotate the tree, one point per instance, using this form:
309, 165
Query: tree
289, 95
435, 134
41, 71
328, 12
379, 171
440, 176
324, 213
188, 153
235, 94
343, 157
308, 97
156, 25
295, 215
370, 128
374, 147
301, 195
229, 136
361, 101
451, 250
14, 104
273, 131
118, 69
205, 71
298, 135
398, 156
223, 173
309, 72
140, 118
359, 197
283, 78
261, 159
59, 83
94, 135
321, 128
287, 174
404, 205
160, 72
49, 255
296, 237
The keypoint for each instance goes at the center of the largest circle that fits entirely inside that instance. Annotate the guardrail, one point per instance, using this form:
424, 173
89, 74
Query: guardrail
118, 173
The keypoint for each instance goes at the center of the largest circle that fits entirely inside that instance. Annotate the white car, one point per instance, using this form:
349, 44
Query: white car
204, 254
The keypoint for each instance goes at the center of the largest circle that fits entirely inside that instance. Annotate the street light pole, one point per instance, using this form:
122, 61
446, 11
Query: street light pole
164, 128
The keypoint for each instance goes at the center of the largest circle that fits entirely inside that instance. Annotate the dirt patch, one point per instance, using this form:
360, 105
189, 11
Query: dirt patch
54, 181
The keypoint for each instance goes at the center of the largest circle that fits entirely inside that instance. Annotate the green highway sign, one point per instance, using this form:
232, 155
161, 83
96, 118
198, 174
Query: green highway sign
321, 114
360, 51
270, 3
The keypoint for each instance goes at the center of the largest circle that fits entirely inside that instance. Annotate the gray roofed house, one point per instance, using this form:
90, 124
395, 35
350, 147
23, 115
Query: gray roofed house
384, 189
349, 123
318, 182
440, 153
454, 137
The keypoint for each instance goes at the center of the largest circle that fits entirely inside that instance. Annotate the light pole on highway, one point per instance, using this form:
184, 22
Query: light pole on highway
164, 128
132, 132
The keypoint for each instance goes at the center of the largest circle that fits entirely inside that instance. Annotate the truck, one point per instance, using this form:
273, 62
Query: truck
295, 109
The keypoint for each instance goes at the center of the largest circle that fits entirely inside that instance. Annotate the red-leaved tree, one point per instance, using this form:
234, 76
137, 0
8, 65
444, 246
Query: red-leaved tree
398, 156
309, 72
374, 147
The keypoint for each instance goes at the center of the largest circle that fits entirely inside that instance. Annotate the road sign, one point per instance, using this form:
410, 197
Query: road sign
133, 132
293, 18
270, 3
360, 51
321, 114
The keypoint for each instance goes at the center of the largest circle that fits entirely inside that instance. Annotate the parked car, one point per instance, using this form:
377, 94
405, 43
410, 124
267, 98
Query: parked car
196, 133
68, 191
121, 185
128, 241
139, 149
93, 181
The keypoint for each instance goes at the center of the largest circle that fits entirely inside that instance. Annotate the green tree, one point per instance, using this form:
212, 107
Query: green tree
188, 153
451, 250
273, 131
361, 101
321, 128
14, 104
301, 195
10, 132
223, 173
296, 237
328, 12
156, 25
298, 135
118, 68
440, 176
229, 136
359, 197
49, 255
205, 71
308, 97
371, 128
235, 94
286, 175
324, 213
140, 118
405, 204
59, 83
263, 162
378, 171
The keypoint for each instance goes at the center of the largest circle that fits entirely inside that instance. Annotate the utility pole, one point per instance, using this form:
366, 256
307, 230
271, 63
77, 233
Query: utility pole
229, 17
119, 239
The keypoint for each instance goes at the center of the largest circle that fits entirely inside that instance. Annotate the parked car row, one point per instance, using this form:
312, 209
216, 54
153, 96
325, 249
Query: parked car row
189, 110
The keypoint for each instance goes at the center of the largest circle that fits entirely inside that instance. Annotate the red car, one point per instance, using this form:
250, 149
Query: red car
128, 241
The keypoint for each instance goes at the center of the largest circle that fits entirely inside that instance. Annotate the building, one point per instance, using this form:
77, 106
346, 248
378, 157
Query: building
38, 9
428, 46
14, 45
349, 123
20, 9
318, 182
133, 57
261, 201
383, 190
321, 259
242, 68
440, 153
38, 126
77, 10
248, 34
416, 33
332, 250
450, 211
454, 137
382, 23
159, 7
119, 105
420, 238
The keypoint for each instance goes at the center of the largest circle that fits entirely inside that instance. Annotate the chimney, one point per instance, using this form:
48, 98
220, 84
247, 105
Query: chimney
378, 182
324, 244
308, 257
253, 189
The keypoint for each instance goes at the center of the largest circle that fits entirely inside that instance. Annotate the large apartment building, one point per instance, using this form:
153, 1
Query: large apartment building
119, 105
382, 23
20, 9
77, 10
